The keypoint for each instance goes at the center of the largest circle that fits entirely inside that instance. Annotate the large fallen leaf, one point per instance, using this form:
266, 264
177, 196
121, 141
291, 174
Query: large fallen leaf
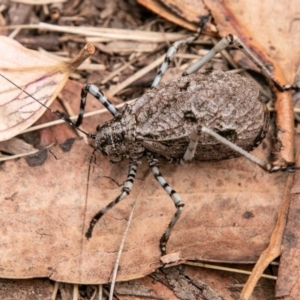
230, 212
35, 73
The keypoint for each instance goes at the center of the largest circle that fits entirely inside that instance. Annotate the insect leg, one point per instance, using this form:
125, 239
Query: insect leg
195, 135
125, 192
96, 92
191, 149
174, 196
223, 44
173, 49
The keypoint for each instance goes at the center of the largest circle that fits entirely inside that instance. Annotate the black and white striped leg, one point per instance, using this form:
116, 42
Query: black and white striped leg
96, 92
196, 134
125, 192
172, 51
174, 196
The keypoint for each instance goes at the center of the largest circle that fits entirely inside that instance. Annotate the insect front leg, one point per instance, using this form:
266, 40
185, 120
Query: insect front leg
125, 192
174, 196
173, 50
97, 93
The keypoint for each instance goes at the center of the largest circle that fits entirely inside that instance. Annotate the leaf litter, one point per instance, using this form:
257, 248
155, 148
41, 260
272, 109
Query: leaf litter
233, 207
174, 183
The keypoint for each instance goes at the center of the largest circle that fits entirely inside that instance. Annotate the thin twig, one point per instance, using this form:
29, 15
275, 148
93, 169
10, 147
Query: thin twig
93, 34
221, 268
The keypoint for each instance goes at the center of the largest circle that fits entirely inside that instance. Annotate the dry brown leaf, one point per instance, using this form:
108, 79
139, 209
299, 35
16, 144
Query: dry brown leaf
230, 212
190, 10
144, 288
38, 75
185, 18
16, 146
288, 284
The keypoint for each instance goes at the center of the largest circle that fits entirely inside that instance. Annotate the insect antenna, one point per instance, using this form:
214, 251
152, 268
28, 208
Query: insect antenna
58, 113
92, 160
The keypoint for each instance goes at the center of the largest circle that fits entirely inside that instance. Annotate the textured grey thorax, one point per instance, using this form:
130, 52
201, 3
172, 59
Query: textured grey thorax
162, 120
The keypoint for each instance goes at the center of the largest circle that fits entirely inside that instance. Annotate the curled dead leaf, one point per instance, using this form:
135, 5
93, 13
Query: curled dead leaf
25, 72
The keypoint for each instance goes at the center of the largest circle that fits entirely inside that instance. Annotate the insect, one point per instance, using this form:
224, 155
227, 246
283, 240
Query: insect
170, 121
203, 116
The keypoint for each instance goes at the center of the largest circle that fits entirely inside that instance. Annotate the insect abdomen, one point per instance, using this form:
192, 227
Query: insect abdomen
227, 103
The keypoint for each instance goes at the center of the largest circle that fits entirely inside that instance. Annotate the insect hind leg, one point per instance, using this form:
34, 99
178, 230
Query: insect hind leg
179, 204
195, 136
125, 192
